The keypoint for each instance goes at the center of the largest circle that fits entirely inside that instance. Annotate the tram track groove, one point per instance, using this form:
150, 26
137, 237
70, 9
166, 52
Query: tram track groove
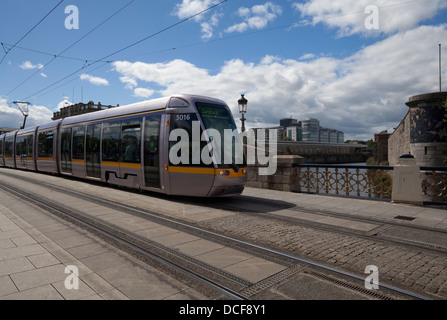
240, 243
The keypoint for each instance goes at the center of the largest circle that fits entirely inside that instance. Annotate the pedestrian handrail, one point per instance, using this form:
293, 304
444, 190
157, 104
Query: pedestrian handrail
434, 184
365, 181
359, 181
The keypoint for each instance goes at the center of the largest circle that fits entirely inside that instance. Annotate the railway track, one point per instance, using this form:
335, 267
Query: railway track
224, 284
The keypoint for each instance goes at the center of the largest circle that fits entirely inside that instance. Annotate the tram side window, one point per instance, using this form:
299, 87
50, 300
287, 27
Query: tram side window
20, 146
45, 144
110, 141
66, 150
152, 151
78, 143
9, 148
1, 149
24, 146
131, 141
29, 146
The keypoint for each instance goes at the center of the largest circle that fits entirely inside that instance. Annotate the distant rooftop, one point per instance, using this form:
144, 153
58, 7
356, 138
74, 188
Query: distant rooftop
79, 108
4, 130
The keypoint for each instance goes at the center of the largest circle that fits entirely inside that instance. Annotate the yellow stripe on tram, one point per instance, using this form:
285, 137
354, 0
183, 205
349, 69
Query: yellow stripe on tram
122, 164
230, 173
191, 170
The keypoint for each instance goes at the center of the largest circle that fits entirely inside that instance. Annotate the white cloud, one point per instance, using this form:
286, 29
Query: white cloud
94, 80
13, 118
130, 82
43, 75
191, 7
143, 92
307, 56
208, 26
349, 16
27, 65
360, 95
257, 17
188, 8
64, 103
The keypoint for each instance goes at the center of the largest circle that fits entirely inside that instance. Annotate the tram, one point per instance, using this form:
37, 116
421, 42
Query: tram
168, 145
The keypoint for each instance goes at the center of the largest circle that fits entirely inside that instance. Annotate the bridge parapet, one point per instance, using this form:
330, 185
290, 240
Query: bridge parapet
281, 180
357, 181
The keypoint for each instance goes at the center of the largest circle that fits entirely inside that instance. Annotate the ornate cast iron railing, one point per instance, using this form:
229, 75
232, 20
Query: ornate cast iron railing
434, 184
374, 182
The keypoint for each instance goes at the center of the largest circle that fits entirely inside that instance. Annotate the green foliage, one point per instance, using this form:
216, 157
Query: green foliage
371, 162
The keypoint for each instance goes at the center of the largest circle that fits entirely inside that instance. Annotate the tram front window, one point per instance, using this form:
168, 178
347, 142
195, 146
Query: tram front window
223, 133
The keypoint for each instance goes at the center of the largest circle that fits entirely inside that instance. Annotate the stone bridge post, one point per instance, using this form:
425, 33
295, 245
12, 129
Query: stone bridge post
281, 180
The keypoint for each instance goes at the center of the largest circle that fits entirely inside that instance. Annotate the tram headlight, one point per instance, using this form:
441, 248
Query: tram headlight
244, 171
224, 173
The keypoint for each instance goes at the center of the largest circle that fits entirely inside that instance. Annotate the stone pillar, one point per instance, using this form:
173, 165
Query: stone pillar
407, 181
281, 180
428, 131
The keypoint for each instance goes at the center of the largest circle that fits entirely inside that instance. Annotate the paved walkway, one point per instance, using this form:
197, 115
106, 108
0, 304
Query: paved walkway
317, 205
37, 250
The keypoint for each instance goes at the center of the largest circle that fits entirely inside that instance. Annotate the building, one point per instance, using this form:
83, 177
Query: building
294, 133
308, 130
324, 135
311, 130
422, 132
380, 152
79, 108
5, 130
340, 137
288, 122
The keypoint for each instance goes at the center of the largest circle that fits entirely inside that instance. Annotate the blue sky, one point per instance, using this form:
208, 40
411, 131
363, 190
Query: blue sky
350, 65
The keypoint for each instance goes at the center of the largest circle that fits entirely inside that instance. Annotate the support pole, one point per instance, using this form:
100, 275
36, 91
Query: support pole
440, 85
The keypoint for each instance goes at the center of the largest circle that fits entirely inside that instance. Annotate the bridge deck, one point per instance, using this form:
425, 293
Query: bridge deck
34, 246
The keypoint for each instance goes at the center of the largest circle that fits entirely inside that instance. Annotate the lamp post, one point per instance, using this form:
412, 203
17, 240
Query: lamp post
242, 102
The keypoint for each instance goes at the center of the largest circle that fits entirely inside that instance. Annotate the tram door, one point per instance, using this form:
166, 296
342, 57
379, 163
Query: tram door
92, 151
188, 173
66, 150
152, 151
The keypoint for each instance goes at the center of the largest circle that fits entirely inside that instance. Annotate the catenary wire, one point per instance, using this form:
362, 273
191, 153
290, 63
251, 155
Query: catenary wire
129, 46
26, 34
70, 46
296, 24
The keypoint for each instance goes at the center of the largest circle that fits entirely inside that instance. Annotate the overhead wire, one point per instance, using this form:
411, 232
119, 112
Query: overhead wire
70, 46
131, 45
47, 53
296, 24
26, 34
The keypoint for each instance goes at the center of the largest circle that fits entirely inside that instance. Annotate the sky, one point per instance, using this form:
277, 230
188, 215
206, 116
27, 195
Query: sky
352, 64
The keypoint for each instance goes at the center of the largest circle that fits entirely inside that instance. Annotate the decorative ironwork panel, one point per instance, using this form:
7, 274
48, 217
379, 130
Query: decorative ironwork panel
353, 181
434, 183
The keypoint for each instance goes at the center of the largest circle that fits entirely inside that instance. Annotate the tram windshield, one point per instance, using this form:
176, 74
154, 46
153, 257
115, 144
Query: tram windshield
223, 134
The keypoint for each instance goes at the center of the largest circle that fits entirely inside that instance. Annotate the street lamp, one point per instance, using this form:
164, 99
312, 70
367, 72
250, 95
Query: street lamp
242, 102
